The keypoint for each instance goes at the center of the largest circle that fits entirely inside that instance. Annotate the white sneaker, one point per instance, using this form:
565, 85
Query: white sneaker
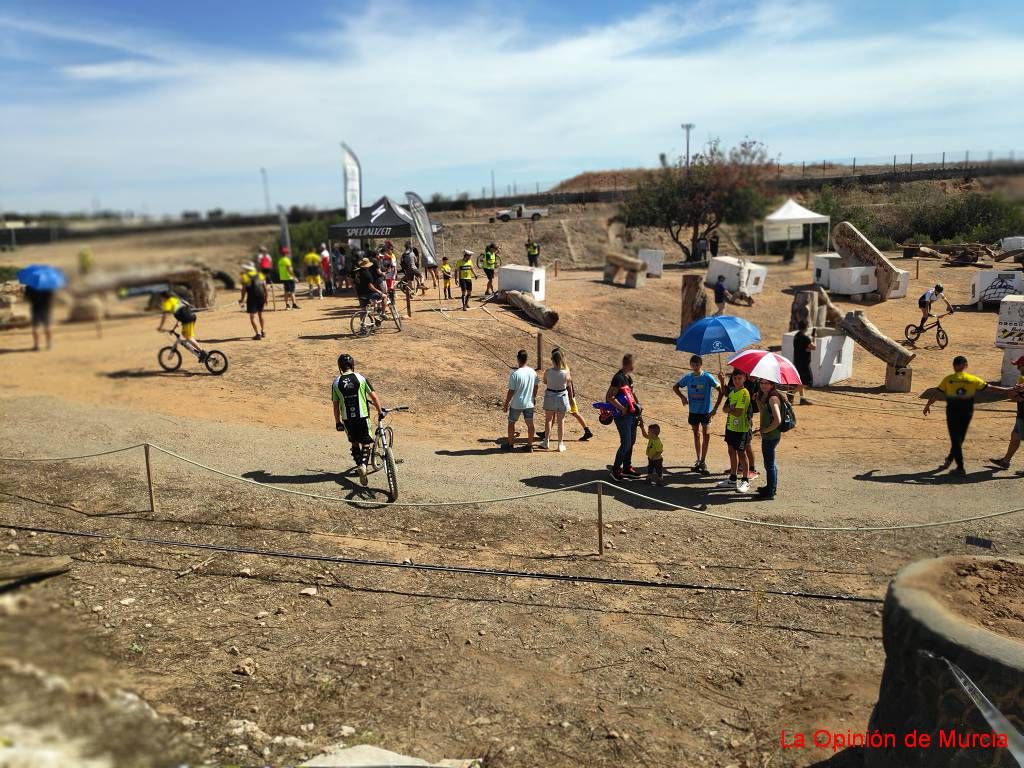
362, 475
742, 486
725, 483
544, 444
561, 447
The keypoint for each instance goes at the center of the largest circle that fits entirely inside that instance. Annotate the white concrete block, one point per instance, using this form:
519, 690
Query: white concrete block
514, 277
853, 281
740, 274
1011, 280
655, 261
824, 263
1010, 328
831, 359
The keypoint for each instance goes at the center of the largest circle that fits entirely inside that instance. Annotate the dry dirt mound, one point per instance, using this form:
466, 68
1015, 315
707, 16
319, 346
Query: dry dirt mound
988, 593
591, 181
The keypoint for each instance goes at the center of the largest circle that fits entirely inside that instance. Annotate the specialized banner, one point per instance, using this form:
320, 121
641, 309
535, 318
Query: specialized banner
353, 182
424, 232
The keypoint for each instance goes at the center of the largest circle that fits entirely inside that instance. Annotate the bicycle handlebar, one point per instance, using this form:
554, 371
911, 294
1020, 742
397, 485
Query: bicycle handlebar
385, 411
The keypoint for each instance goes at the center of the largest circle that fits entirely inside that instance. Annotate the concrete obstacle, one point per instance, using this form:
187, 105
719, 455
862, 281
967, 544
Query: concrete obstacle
635, 269
857, 252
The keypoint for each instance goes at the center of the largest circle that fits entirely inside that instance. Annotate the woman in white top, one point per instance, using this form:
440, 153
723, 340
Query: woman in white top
558, 390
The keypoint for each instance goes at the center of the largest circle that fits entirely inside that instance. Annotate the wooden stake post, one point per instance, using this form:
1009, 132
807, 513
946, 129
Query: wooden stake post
600, 518
540, 350
149, 479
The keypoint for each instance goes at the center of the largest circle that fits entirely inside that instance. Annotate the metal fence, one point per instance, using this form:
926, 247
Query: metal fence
956, 161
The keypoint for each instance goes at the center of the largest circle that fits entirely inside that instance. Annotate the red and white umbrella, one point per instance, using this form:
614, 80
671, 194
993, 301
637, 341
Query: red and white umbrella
766, 365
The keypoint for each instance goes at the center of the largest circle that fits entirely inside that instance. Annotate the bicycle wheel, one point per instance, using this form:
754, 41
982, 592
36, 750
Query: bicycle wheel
395, 316
216, 362
377, 453
358, 325
912, 332
169, 358
942, 338
392, 473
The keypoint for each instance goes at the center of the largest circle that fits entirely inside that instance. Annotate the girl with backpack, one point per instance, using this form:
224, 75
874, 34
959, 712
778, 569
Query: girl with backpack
770, 405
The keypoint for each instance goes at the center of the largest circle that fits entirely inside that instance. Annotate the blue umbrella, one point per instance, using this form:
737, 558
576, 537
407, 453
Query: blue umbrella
721, 333
42, 277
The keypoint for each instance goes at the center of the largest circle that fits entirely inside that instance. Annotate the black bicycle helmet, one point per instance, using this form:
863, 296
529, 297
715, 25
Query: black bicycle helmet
346, 363
938, 287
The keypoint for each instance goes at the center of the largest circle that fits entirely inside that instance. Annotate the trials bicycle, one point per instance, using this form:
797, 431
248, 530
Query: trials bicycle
913, 331
169, 358
370, 318
382, 456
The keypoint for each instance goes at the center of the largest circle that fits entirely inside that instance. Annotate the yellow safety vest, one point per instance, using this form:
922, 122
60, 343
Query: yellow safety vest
489, 259
465, 269
532, 249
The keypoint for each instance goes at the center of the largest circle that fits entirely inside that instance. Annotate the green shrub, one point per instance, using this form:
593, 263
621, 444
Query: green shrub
921, 213
306, 236
8, 273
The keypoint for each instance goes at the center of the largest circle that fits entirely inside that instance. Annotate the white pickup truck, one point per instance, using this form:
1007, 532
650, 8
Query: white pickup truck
521, 212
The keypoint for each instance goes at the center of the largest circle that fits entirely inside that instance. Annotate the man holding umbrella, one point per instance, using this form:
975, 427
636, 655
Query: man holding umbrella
41, 281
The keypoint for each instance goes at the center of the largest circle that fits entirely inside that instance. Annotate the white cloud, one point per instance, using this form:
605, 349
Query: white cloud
482, 91
124, 71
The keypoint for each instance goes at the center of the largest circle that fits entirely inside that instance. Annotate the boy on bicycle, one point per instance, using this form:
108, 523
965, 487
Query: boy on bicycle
182, 313
925, 304
351, 396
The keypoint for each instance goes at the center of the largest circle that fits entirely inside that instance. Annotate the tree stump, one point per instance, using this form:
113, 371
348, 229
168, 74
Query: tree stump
805, 308
694, 301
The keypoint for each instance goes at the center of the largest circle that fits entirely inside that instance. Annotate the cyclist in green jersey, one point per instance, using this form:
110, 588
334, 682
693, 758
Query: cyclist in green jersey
351, 396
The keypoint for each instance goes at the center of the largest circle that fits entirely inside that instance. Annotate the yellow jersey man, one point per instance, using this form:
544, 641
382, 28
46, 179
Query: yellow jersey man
959, 388
464, 267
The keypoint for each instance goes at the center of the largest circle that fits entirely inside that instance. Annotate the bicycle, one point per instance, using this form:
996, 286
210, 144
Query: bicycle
169, 358
410, 287
480, 261
381, 454
370, 318
913, 331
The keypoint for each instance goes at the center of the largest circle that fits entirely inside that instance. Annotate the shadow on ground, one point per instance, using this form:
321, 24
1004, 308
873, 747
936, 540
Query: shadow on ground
684, 488
931, 477
141, 373
355, 491
655, 339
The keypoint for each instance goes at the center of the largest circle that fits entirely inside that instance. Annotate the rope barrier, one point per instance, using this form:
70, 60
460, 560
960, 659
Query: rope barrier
435, 568
600, 484
75, 458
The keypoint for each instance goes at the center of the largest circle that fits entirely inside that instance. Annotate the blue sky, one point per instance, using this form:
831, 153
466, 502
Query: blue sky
163, 106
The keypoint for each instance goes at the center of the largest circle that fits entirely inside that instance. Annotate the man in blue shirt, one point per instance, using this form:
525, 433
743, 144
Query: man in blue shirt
699, 385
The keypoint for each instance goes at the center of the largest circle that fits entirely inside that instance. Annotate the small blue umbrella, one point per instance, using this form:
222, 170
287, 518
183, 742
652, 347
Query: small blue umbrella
721, 333
42, 277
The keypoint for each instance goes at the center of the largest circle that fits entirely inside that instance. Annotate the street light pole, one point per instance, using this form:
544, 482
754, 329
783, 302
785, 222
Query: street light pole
687, 127
266, 190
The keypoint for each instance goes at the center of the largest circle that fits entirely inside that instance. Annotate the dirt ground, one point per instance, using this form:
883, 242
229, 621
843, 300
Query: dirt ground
217, 656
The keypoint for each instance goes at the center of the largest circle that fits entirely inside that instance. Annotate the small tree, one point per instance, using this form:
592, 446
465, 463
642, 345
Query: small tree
717, 187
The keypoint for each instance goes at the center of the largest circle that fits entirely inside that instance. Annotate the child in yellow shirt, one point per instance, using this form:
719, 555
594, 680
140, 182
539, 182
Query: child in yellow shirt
446, 273
655, 453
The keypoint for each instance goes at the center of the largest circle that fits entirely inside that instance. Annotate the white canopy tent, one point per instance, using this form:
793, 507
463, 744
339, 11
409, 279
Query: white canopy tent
789, 219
